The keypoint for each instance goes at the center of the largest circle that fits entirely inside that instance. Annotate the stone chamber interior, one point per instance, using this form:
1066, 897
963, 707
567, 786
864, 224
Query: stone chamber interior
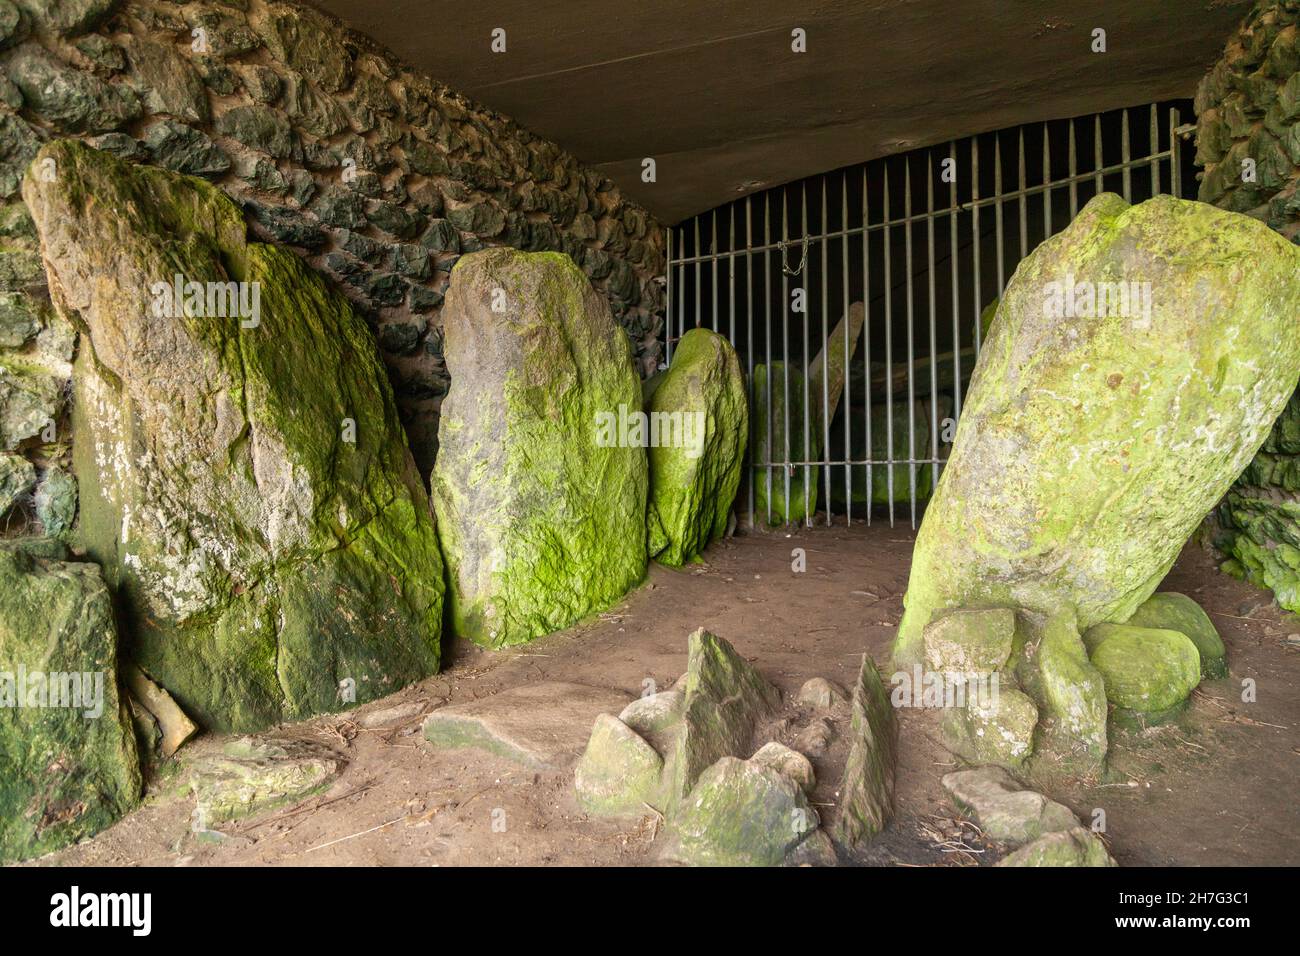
396, 471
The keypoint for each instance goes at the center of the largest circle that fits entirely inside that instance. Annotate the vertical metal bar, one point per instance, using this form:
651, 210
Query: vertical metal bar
911, 344
1126, 155
889, 355
1154, 151
1097, 154
731, 276
1022, 202
976, 242
955, 295
846, 392
698, 265
1074, 172
807, 399
1175, 159
826, 350
785, 347
934, 347
1047, 181
713, 269
997, 191
749, 339
866, 335
770, 353
681, 286
668, 302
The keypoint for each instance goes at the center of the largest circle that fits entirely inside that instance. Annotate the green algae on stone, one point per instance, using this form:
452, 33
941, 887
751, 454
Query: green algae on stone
867, 789
68, 760
970, 640
1073, 847
723, 700
1078, 418
1177, 612
1146, 669
619, 773
541, 512
249, 775
698, 422
1006, 811
742, 813
244, 479
1050, 663
988, 732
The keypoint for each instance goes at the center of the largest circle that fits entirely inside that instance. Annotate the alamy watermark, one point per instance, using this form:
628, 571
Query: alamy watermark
39, 690
938, 689
214, 300
651, 430
1069, 299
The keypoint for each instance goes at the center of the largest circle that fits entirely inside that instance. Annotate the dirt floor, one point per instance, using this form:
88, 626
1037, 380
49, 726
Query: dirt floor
1216, 787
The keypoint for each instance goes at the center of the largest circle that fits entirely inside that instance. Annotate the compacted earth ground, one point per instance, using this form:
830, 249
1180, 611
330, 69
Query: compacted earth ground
1217, 786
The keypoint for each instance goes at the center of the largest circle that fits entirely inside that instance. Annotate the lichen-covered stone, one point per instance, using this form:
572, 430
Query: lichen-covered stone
969, 641
1073, 847
867, 789
30, 398
67, 18
1177, 612
1001, 733
68, 761
698, 424
540, 523
249, 775
1004, 810
789, 762
1145, 669
741, 813
244, 480
822, 694
619, 773
724, 699
1050, 662
74, 101
56, 501
1073, 425
17, 479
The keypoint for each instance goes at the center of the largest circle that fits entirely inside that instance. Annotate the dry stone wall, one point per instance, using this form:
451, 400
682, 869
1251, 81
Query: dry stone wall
1248, 139
379, 177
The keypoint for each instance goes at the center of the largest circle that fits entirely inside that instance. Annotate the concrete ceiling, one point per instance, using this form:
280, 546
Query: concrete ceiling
712, 90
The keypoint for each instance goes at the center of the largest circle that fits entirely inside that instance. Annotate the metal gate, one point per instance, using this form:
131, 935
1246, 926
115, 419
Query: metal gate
926, 240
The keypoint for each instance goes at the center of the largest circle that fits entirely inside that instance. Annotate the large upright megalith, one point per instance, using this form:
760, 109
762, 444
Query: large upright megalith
1135, 365
245, 481
539, 490
699, 420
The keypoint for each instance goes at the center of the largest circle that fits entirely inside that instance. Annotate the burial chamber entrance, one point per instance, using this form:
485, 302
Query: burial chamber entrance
928, 240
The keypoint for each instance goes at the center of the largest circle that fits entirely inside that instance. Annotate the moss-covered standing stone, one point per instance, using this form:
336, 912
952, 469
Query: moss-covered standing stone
540, 523
69, 770
695, 471
867, 789
244, 480
1078, 419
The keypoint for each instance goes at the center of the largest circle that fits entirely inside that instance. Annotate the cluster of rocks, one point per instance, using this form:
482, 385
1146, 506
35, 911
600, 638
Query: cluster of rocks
688, 756
1041, 831
37, 493
1090, 447
378, 176
1248, 109
248, 495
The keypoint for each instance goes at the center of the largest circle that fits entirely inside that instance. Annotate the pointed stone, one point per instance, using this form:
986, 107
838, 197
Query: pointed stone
867, 790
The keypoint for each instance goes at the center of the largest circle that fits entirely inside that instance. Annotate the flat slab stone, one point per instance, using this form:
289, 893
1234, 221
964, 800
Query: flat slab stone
544, 726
